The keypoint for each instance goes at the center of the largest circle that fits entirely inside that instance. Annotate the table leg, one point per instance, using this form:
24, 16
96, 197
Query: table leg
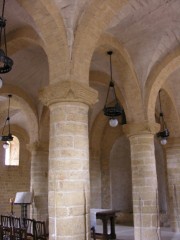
105, 229
112, 222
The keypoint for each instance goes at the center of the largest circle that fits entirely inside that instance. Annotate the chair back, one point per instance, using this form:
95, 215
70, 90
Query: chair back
40, 230
28, 224
15, 222
5, 221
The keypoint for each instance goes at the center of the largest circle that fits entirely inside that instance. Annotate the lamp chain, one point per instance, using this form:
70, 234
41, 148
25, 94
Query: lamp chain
160, 102
111, 84
110, 53
3, 9
161, 112
8, 118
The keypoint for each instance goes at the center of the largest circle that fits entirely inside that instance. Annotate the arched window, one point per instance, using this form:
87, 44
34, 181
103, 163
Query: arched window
12, 153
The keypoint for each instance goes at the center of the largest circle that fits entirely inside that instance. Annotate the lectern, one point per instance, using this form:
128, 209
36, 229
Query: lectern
23, 199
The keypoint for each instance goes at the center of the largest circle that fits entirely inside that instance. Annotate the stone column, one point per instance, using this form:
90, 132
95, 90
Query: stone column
95, 174
144, 180
173, 174
106, 197
39, 181
69, 184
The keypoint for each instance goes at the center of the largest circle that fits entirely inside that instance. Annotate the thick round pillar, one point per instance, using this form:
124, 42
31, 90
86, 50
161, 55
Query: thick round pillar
39, 181
144, 180
69, 183
95, 180
173, 173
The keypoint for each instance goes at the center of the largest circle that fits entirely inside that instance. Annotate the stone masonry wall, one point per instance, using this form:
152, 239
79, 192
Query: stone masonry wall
13, 179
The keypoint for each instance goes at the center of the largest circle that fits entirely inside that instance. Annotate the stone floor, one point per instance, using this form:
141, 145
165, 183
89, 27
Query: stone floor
126, 233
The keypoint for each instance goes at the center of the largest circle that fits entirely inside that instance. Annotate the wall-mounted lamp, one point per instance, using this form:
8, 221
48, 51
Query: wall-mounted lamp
113, 110
163, 134
7, 138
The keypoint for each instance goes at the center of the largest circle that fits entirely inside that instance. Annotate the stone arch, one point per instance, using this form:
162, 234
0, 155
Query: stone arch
157, 77
23, 102
23, 139
55, 42
20, 133
94, 21
22, 38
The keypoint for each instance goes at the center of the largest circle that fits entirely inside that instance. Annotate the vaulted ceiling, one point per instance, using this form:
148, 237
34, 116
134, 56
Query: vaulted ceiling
145, 37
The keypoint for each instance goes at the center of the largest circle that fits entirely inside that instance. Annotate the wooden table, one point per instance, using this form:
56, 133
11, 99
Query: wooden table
108, 216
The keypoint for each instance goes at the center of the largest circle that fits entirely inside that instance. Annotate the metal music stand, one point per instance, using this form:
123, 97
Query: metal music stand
23, 199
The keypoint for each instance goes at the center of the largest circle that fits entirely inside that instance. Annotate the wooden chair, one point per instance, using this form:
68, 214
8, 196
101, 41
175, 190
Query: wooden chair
40, 230
29, 225
5, 221
15, 222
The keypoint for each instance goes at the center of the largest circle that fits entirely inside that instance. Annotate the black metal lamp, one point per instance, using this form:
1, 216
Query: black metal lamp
163, 134
8, 137
113, 110
5, 62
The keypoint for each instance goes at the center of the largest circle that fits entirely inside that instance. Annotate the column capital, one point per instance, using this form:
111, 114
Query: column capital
141, 128
68, 91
